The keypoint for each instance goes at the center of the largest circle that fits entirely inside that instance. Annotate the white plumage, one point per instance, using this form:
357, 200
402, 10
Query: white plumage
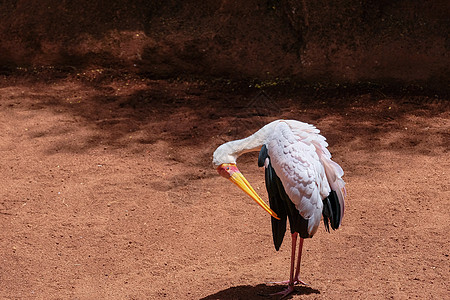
295, 160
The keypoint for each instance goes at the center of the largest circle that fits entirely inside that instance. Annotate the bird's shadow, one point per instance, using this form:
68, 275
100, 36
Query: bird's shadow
258, 292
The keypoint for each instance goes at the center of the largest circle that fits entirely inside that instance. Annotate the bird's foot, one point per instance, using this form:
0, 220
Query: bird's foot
296, 281
289, 290
299, 281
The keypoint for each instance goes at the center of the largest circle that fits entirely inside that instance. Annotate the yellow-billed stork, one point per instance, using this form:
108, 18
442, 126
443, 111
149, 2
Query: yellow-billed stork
302, 181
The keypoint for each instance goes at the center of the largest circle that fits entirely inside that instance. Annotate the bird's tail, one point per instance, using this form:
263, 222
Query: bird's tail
335, 201
331, 212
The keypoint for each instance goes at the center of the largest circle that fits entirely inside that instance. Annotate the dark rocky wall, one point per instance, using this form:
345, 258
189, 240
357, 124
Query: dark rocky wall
404, 41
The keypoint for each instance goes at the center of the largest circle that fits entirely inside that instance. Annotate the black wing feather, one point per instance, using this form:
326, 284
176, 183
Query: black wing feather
276, 204
331, 211
263, 154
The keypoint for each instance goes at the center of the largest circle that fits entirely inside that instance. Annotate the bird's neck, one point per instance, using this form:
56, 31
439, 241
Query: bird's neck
251, 143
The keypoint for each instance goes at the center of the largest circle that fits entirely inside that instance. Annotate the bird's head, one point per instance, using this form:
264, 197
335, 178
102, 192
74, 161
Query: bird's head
224, 154
231, 172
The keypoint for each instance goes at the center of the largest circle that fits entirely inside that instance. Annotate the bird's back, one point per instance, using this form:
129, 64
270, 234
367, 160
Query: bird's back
300, 159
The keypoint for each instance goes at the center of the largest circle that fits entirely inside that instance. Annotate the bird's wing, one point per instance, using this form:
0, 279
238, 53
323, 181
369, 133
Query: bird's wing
280, 203
333, 171
295, 160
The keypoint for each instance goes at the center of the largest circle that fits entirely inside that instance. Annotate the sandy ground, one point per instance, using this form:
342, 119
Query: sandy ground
108, 192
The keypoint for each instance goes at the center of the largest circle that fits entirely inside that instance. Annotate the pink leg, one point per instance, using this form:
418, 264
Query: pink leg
290, 287
297, 280
294, 244
293, 280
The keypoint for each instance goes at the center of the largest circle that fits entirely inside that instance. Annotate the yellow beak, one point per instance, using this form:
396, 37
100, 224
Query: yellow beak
239, 179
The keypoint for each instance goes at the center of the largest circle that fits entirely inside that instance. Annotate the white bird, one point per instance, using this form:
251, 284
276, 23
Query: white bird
302, 181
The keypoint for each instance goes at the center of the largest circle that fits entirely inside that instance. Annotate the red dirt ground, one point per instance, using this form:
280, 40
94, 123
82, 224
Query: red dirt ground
108, 192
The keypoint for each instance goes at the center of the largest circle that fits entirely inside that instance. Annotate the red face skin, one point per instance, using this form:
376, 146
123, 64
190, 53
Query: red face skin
226, 170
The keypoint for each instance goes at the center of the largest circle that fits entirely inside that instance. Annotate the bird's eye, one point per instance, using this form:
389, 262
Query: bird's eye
228, 168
